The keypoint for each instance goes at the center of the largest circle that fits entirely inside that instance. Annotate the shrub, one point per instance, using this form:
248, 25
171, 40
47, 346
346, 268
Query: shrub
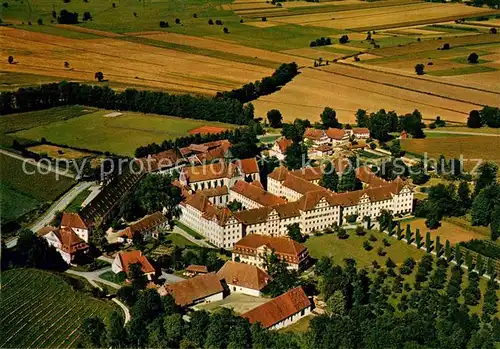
389, 263
343, 234
367, 246
264, 19
226, 31
195, 15
386, 242
372, 238
375, 265
163, 24
446, 46
177, 21
218, 22
210, 21
381, 252
473, 58
40, 21
360, 231
351, 218
419, 69
344, 39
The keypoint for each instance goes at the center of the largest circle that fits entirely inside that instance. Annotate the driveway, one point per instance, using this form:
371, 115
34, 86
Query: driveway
170, 278
93, 276
59, 205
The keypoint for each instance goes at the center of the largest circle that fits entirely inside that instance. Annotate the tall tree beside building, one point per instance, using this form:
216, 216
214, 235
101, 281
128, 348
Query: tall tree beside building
275, 118
329, 118
330, 178
487, 175
296, 156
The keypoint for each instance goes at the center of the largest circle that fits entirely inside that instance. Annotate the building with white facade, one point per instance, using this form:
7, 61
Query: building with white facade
217, 225
249, 169
243, 278
149, 227
76, 223
65, 241
293, 197
210, 176
316, 136
124, 259
279, 148
199, 289
252, 195
253, 248
281, 311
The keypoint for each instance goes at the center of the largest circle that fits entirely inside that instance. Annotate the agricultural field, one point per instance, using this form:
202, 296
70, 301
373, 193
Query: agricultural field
472, 148
39, 309
22, 192
447, 231
338, 249
97, 132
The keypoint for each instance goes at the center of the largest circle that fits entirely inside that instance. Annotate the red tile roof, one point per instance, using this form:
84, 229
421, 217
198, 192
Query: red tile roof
69, 240
257, 194
279, 173
280, 245
248, 166
299, 185
131, 257
366, 175
279, 309
197, 268
207, 172
335, 133
314, 133
191, 290
244, 275
283, 144
360, 130
73, 220
144, 225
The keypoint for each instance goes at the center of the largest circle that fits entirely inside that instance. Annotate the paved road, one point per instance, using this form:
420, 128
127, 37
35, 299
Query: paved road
93, 276
465, 133
60, 205
42, 165
63, 202
201, 243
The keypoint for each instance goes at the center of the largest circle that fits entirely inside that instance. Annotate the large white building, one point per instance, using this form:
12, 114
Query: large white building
293, 197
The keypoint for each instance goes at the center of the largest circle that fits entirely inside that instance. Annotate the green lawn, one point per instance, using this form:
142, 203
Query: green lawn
111, 276
179, 240
39, 309
120, 135
300, 326
473, 69
21, 192
189, 230
76, 204
352, 247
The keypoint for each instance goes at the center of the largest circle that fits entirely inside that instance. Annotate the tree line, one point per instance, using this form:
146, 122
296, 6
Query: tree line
253, 90
71, 93
382, 123
488, 116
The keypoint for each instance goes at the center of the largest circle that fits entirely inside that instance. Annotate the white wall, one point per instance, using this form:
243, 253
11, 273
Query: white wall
290, 320
244, 290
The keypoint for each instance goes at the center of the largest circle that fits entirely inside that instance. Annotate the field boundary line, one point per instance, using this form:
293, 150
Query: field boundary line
407, 89
383, 94
398, 73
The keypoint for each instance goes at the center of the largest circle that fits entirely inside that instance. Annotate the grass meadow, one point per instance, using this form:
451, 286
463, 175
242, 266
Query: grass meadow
39, 309
22, 193
338, 249
120, 135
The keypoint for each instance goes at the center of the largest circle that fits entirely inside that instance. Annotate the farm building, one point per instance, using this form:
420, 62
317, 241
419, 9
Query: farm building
125, 259
195, 269
282, 311
76, 223
243, 278
148, 227
65, 241
199, 289
249, 169
253, 248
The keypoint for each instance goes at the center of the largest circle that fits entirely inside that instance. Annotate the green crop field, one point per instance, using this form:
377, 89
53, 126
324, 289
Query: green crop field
119, 135
22, 192
330, 245
39, 309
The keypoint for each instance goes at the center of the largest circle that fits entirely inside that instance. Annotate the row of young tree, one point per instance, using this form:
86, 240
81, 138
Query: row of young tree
251, 91
71, 93
488, 116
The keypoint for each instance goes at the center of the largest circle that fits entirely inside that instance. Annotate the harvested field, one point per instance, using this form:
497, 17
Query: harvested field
315, 53
386, 17
348, 88
88, 30
472, 148
261, 24
432, 45
225, 46
124, 62
56, 152
447, 231
248, 6
482, 80
207, 129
